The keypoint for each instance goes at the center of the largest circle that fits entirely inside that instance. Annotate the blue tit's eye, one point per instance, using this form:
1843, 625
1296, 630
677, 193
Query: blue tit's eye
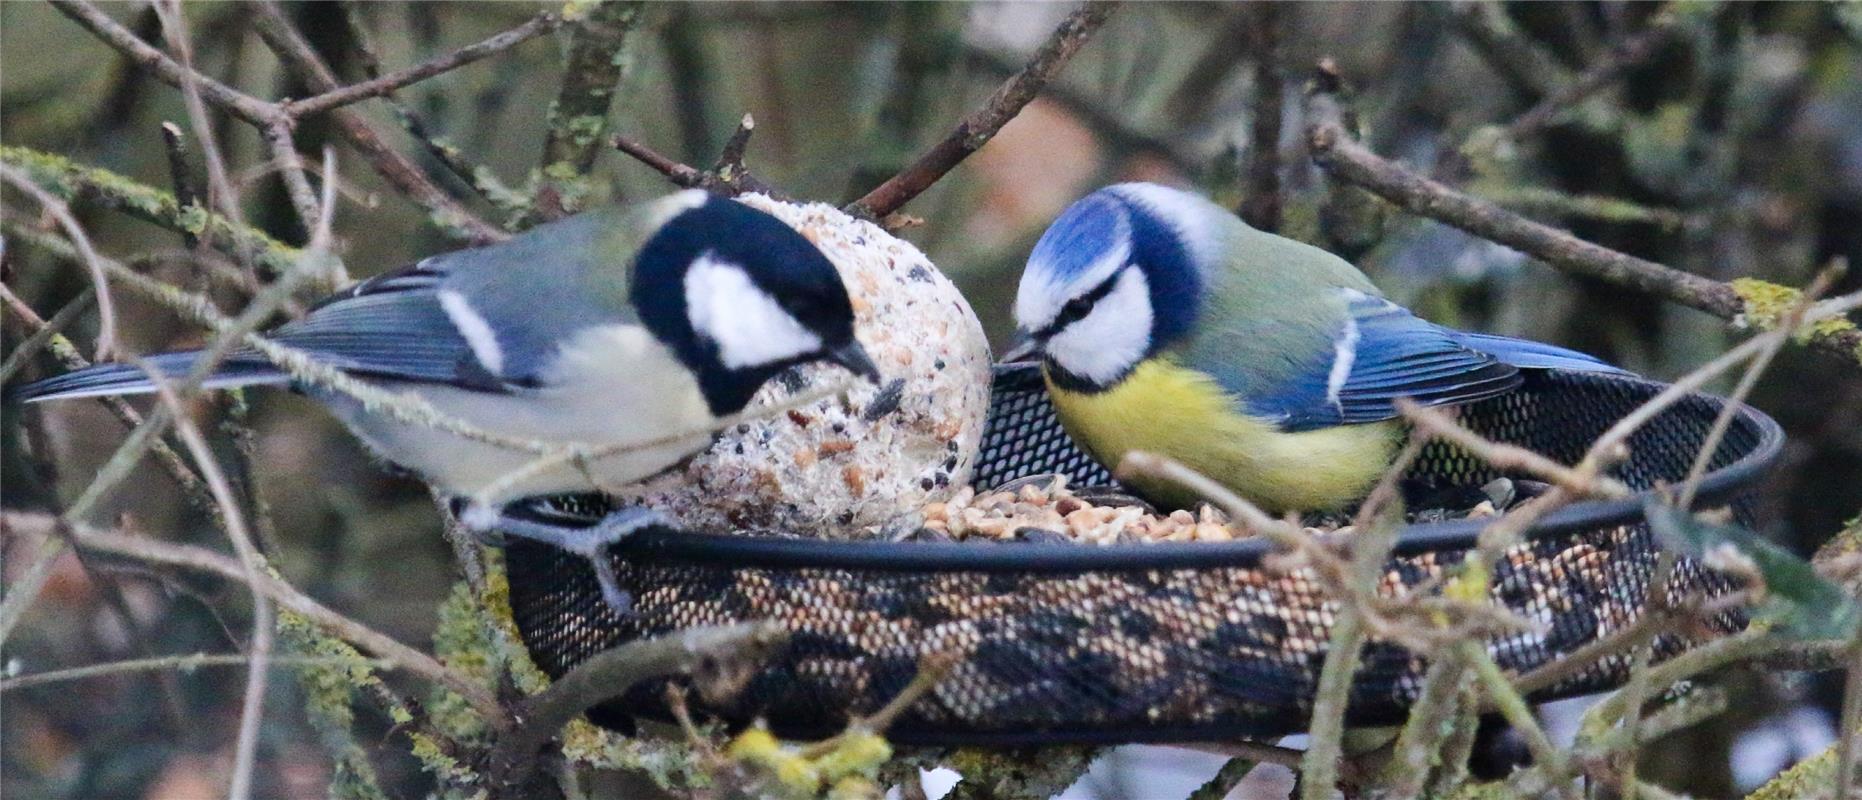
1077, 308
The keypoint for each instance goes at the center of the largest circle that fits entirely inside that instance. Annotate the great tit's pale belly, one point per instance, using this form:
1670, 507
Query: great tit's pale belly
613, 384
1165, 408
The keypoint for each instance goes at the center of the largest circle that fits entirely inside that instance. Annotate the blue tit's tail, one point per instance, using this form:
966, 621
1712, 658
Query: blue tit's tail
1533, 355
240, 369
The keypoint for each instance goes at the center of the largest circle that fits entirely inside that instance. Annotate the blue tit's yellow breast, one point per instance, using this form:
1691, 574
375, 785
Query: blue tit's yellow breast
1166, 408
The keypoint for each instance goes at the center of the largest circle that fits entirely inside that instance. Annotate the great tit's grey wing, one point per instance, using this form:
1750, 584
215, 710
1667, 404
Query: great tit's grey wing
489, 319
392, 326
1353, 373
519, 301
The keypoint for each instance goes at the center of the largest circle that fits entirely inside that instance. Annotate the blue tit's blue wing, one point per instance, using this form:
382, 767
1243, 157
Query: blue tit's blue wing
1528, 354
1380, 353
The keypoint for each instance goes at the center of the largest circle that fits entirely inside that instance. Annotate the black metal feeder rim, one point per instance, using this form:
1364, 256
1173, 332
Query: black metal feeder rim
740, 551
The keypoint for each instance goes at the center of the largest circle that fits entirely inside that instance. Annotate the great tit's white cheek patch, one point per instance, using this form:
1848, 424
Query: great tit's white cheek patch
477, 332
748, 326
1113, 337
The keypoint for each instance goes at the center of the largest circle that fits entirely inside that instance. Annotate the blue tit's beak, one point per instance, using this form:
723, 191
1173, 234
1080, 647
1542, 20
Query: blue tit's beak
1024, 347
852, 356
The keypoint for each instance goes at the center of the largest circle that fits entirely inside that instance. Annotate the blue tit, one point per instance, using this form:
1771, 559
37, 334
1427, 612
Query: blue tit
1164, 323
626, 324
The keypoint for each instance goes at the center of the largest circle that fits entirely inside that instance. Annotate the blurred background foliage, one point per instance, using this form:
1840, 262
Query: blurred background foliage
1731, 147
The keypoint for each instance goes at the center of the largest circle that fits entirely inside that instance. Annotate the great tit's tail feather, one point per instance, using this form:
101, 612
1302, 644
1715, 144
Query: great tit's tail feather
1534, 355
116, 379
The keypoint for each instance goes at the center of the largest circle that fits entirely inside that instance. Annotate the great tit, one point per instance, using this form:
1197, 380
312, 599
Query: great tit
1165, 323
625, 324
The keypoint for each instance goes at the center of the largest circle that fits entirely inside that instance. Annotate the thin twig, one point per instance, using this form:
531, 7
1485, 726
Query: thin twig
67, 354
1849, 732
1792, 319
1624, 55
106, 303
611, 673
578, 119
396, 654
981, 125
1352, 162
302, 61
182, 663
181, 176
1436, 423
1512, 706
245, 750
384, 85
239, 104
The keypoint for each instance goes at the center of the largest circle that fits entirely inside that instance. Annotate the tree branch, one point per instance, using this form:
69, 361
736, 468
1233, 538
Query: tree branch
284, 594
578, 118
239, 104
302, 60
982, 124
384, 85
1349, 161
609, 674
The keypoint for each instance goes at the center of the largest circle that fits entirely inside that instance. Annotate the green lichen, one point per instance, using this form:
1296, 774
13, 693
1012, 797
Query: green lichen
1765, 305
670, 764
586, 130
434, 759
329, 685
73, 182
578, 10
464, 642
1814, 777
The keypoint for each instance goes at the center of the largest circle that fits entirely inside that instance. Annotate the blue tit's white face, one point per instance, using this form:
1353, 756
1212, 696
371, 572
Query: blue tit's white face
1089, 297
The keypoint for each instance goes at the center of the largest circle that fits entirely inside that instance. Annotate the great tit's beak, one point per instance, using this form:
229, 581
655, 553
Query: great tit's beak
852, 356
1024, 347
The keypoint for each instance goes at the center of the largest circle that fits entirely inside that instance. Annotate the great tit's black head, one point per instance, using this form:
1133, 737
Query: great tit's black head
740, 296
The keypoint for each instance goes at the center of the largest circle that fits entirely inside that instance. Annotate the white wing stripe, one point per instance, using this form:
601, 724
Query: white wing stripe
477, 332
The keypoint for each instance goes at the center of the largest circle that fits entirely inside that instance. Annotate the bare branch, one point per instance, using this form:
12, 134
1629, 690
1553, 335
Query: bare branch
578, 119
398, 655
982, 124
181, 176
538, 25
1349, 161
106, 304
239, 104
1621, 57
245, 750
611, 673
302, 60
182, 663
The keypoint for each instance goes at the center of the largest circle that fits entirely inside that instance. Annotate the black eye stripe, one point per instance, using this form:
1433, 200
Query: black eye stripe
1079, 307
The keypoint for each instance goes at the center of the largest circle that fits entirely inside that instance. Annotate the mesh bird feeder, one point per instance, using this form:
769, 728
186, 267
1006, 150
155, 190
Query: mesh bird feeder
1140, 642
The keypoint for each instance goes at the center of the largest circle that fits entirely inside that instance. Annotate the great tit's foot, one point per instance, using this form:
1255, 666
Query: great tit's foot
591, 543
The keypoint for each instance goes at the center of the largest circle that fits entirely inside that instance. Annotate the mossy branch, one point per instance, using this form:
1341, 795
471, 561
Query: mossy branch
78, 183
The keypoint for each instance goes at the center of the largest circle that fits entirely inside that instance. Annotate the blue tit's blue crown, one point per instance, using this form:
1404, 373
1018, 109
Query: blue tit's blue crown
1089, 229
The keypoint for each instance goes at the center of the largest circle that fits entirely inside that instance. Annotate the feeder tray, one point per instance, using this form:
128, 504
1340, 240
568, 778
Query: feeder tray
1138, 642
